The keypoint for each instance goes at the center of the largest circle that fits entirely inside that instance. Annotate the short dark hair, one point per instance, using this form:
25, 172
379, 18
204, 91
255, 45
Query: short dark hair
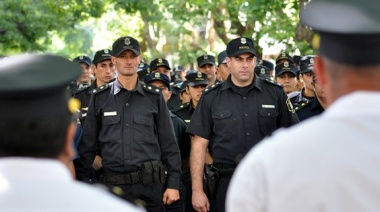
40, 138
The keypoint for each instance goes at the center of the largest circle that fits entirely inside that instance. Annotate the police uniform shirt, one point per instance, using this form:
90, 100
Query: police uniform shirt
185, 111
309, 109
131, 127
183, 138
84, 95
233, 123
300, 98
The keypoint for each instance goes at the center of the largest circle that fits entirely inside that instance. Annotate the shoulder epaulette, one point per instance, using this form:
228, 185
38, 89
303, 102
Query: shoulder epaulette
151, 89
211, 87
184, 105
302, 105
83, 88
100, 89
273, 82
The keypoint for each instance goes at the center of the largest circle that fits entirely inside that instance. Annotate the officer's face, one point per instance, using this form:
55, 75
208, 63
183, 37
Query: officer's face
185, 97
223, 71
165, 91
163, 70
288, 80
126, 63
209, 70
195, 92
307, 79
104, 71
242, 68
86, 74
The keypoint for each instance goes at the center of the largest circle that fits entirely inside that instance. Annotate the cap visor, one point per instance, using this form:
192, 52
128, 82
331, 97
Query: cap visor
123, 50
242, 52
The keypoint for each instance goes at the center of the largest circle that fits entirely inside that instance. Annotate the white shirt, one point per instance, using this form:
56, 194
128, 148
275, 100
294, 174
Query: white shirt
28, 184
328, 163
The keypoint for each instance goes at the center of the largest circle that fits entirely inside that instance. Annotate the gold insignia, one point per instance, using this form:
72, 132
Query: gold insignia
73, 105
311, 60
106, 51
286, 64
243, 40
199, 74
157, 75
150, 88
262, 71
81, 57
290, 106
127, 41
205, 57
159, 60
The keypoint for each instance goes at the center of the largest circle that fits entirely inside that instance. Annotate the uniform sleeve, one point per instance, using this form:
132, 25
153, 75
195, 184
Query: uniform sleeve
288, 116
201, 121
247, 189
169, 148
87, 146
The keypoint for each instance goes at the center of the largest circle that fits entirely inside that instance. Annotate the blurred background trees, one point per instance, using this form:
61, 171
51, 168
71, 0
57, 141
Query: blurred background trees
178, 30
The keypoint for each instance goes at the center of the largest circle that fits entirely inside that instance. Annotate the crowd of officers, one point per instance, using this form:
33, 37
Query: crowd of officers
171, 138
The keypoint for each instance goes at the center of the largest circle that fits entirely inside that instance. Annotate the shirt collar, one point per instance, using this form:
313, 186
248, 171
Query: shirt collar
118, 87
257, 83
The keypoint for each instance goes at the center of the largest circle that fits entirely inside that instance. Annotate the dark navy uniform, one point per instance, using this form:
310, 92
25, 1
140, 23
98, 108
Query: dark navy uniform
299, 98
309, 109
185, 111
84, 95
131, 127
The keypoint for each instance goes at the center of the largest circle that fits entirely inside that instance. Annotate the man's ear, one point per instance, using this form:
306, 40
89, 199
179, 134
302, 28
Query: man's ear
320, 71
187, 90
228, 60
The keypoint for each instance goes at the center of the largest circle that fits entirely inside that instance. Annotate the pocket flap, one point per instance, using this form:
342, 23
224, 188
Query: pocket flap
221, 114
141, 119
268, 113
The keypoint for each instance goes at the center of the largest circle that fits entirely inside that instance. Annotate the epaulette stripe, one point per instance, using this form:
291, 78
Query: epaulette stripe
101, 88
211, 87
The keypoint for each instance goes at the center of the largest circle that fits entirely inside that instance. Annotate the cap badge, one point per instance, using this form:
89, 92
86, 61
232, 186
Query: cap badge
311, 61
283, 54
106, 51
159, 60
243, 40
262, 71
157, 75
199, 74
205, 57
286, 64
81, 57
127, 41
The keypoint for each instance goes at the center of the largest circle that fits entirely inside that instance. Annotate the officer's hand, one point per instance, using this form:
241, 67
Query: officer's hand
200, 201
170, 196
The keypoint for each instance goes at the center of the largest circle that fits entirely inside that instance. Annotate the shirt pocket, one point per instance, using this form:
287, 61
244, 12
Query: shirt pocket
143, 128
268, 121
224, 125
111, 129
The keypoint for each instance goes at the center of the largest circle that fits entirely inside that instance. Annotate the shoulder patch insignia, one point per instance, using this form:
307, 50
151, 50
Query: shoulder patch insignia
273, 82
302, 105
101, 88
290, 106
211, 87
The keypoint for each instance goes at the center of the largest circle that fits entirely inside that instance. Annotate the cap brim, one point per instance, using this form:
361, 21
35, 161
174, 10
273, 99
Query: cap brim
205, 63
197, 83
285, 71
308, 69
243, 51
101, 60
123, 50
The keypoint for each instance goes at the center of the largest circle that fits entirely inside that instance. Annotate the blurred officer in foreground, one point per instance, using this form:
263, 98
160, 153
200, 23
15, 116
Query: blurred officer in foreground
222, 71
206, 65
330, 162
232, 117
34, 101
306, 76
130, 123
286, 76
183, 139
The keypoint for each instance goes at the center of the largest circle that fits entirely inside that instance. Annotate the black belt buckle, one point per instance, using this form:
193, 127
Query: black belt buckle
135, 177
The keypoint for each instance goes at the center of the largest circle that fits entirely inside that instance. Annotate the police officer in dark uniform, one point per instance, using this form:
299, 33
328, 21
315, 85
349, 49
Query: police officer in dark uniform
307, 73
132, 126
196, 82
263, 72
84, 80
231, 118
267, 64
143, 71
206, 65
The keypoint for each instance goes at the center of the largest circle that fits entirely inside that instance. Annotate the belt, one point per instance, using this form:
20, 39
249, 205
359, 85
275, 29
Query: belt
223, 169
224, 166
131, 178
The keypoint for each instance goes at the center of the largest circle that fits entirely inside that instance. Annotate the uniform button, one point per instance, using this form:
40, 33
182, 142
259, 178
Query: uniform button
127, 104
127, 125
221, 115
246, 115
247, 133
244, 97
268, 114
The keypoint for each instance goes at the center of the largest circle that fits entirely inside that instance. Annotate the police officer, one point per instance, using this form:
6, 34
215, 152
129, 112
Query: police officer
162, 66
84, 80
131, 124
306, 75
313, 106
232, 117
263, 72
286, 76
183, 139
284, 57
143, 70
206, 65
196, 82
269, 65
222, 71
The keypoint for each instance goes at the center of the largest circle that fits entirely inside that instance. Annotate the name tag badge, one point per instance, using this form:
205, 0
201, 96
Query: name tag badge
113, 113
268, 106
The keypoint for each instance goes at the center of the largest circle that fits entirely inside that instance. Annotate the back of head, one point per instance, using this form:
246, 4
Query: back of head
35, 110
